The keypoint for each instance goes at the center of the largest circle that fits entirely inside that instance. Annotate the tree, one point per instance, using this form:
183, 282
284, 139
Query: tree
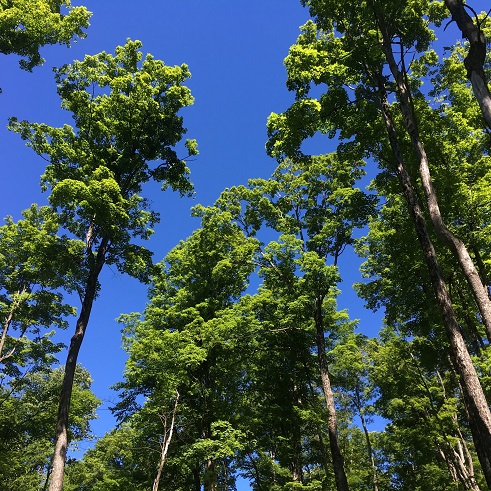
118, 460
476, 57
421, 392
188, 343
314, 206
125, 115
351, 366
27, 25
359, 54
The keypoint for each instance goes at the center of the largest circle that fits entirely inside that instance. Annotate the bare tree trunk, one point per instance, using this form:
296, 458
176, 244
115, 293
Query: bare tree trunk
61, 438
165, 444
332, 423
475, 59
474, 397
457, 456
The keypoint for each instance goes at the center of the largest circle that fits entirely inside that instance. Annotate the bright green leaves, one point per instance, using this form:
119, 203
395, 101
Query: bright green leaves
125, 110
34, 263
99, 196
126, 117
27, 25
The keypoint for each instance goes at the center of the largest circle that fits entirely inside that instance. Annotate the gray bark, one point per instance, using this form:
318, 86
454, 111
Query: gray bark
475, 59
332, 423
474, 398
61, 438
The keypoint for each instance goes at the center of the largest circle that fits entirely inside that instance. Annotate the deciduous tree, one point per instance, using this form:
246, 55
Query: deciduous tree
126, 128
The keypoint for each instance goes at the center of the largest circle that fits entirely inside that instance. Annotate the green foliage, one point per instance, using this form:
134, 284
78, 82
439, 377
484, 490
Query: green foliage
27, 25
117, 461
35, 262
241, 370
27, 420
125, 114
191, 341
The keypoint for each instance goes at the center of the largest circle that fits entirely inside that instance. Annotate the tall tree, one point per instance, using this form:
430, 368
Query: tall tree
125, 114
314, 205
188, 343
360, 56
35, 263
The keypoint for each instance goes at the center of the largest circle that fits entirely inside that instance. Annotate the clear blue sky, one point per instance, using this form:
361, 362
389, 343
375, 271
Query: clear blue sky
235, 51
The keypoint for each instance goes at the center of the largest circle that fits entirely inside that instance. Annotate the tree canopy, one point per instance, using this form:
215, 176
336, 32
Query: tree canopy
241, 364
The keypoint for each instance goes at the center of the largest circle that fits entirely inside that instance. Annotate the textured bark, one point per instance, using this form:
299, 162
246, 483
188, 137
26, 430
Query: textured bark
332, 424
475, 59
61, 438
474, 398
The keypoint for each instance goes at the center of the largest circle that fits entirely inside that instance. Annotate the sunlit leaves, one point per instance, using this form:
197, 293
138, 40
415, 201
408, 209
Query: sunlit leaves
27, 25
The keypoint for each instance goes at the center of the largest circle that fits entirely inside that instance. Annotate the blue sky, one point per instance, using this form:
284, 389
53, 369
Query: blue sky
235, 51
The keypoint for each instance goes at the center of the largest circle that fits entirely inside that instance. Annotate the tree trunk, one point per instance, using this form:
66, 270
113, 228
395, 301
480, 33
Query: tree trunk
456, 456
367, 439
475, 59
196, 479
475, 400
61, 438
455, 244
8, 322
332, 424
211, 476
165, 444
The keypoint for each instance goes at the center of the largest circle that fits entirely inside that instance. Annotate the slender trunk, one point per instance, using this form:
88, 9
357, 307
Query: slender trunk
463, 464
196, 479
475, 59
211, 476
61, 438
454, 243
296, 464
257, 480
456, 455
474, 398
165, 444
7, 323
332, 424
46, 481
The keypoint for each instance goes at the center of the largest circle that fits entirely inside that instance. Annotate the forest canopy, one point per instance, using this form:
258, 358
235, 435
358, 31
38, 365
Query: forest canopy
242, 367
